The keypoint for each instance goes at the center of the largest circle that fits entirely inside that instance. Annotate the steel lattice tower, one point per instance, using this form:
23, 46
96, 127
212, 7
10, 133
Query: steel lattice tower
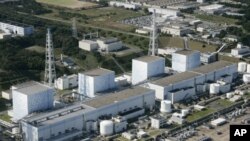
153, 43
50, 69
74, 29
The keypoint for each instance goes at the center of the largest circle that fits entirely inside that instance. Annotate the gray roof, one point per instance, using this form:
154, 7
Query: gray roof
175, 78
32, 87
98, 72
186, 52
148, 58
116, 96
212, 67
50, 117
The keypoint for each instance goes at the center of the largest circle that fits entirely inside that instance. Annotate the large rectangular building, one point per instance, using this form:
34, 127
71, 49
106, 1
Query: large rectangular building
96, 80
146, 67
184, 60
32, 97
73, 121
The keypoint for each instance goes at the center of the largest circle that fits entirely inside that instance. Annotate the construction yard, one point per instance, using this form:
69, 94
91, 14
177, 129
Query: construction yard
72, 4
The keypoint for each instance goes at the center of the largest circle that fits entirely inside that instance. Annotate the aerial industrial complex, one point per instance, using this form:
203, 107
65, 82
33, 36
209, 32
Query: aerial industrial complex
169, 94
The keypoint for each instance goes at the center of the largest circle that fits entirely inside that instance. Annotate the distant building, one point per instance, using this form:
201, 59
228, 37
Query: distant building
88, 45
31, 97
16, 28
165, 12
96, 80
184, 60
66, 82
212, 9
176, 30
127, 5
109, 44
146, 67
102, 44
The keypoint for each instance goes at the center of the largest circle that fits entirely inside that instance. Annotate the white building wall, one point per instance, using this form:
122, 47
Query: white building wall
156, 67
20, 105
180, 95
179, 62
139, 71
193, 61
89, 85
40, 101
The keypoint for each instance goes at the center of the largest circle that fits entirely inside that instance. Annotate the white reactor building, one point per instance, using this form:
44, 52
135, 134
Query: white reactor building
84, 117
97, 80
185, 60
32, 97
146, 67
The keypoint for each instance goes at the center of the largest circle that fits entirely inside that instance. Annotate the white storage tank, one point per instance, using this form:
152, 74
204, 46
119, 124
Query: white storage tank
246, 78
106, 127
214, 88
166, 106
229, 95
242, 66
184, 112
248, 68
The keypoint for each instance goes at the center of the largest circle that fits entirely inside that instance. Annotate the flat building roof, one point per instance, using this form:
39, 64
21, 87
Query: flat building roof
97, 72
110, 98
186, 52
148, 58
212, 67
175, 78
31, 87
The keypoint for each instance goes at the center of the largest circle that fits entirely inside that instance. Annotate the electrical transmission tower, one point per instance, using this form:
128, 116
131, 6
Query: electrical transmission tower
50, 68
74, 29
153, 43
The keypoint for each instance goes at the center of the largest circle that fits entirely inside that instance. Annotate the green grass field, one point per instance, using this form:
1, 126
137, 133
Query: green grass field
178, 42
69, 3
216, 19
199, 114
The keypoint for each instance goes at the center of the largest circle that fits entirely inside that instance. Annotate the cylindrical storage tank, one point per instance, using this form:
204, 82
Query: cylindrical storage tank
214, 88
184, 112
166, 106
246, 78
242, 66
106, 127
229, 95
248, 68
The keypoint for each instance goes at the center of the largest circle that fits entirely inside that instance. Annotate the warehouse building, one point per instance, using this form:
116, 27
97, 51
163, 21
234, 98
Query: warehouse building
66, 82
73, 121
16, 28
31, 97
146, 67
187, 84
96, 80
185, 60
